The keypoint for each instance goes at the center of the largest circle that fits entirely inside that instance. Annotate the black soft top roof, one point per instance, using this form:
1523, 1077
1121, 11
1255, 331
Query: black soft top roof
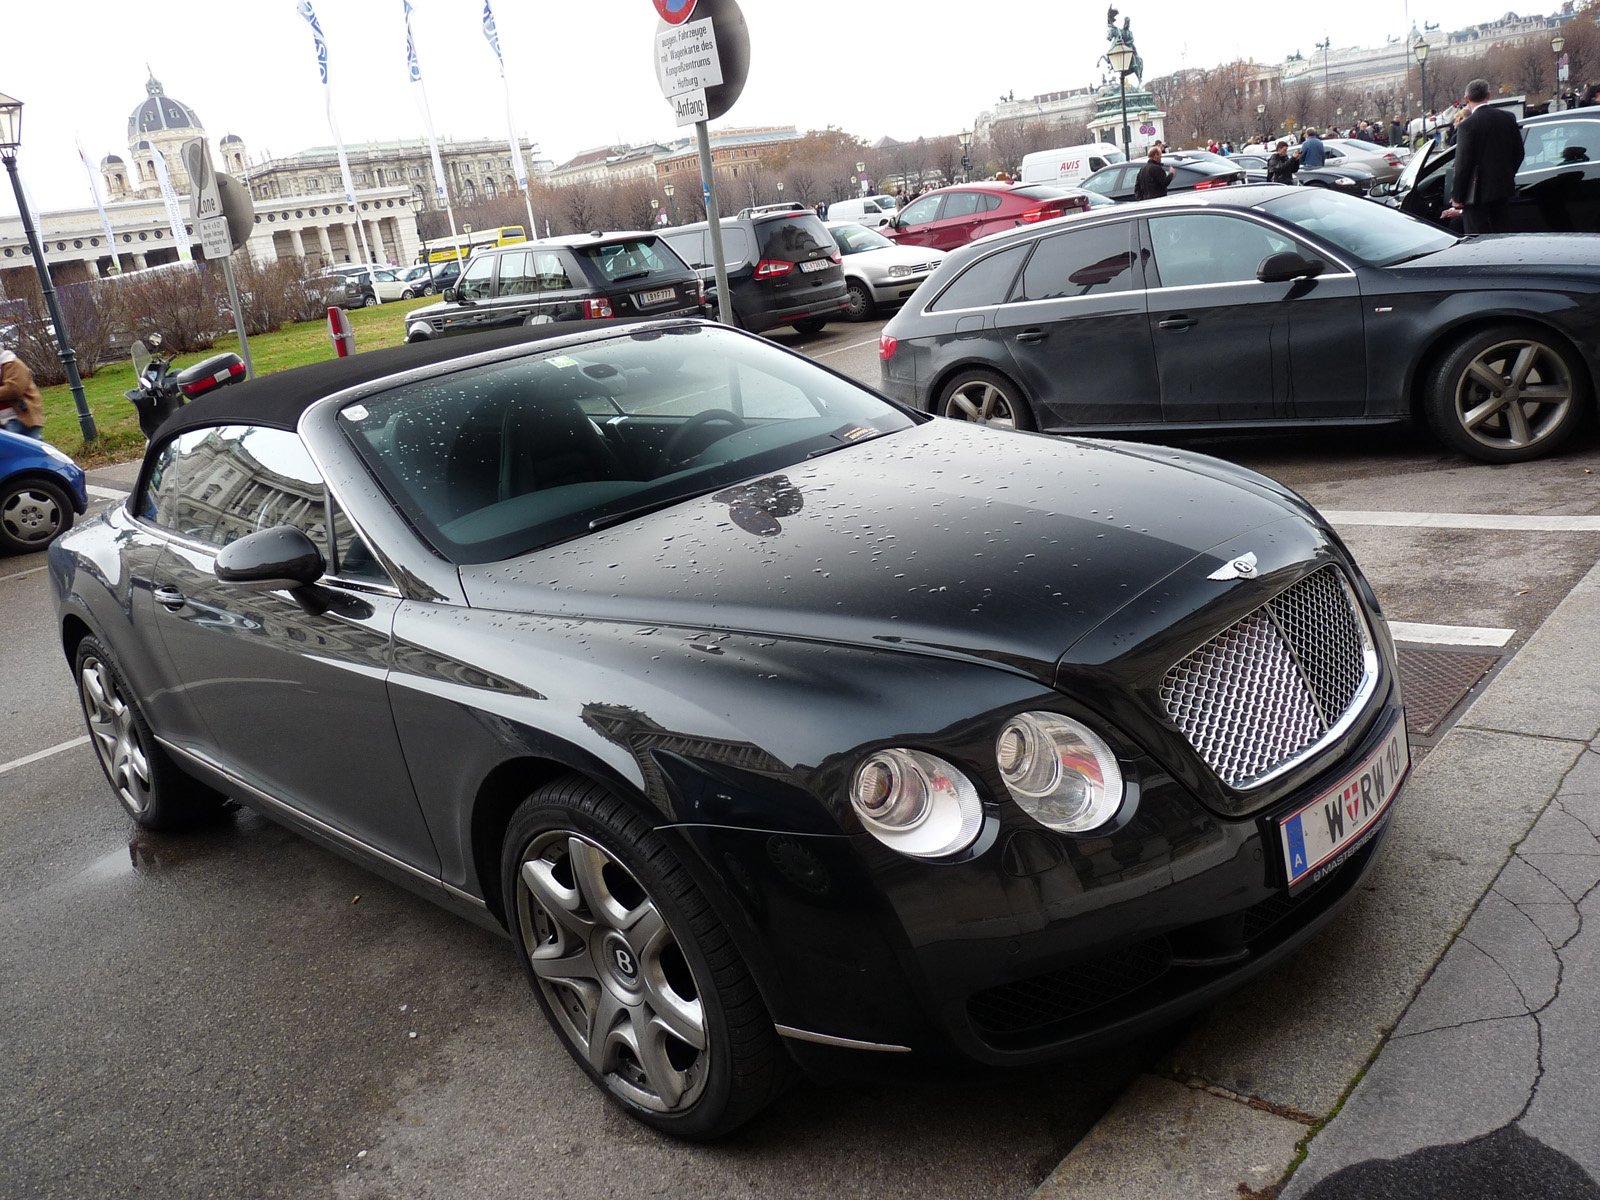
279, 399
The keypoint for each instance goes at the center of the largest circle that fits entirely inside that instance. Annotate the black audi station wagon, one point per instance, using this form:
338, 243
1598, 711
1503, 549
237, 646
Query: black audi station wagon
778, 726
585, 277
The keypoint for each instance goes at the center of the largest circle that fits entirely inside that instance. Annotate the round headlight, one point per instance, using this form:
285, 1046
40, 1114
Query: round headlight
1061, 773
915, 803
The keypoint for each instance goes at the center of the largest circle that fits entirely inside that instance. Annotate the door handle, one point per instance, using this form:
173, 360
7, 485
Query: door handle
1176, 323
1032, 337
169, 597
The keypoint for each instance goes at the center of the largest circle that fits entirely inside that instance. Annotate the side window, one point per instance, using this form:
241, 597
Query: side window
735, 245
216, 485
1211, 248
960, 204
1560, 143
550, 269
985, 282
1096, 162
922, 211
476, 279
691, 247
987, 201
1106, 182
1086, 262
352, 558
515, 278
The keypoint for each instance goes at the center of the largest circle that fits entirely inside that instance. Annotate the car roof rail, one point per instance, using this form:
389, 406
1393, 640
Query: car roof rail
764, 210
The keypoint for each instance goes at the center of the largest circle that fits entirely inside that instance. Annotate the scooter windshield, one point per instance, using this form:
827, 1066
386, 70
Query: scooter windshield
141, 359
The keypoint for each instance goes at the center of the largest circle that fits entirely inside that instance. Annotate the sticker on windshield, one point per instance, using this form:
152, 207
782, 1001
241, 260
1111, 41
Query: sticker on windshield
561, 360
356, 412
852, 433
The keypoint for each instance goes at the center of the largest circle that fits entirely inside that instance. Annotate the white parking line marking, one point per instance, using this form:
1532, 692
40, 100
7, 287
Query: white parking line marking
842, 349
105, 493
33, 758
23, 574
1433, 520
1449, 635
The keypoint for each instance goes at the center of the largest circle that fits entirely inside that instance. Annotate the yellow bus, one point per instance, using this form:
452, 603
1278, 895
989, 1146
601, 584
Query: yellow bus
444, 249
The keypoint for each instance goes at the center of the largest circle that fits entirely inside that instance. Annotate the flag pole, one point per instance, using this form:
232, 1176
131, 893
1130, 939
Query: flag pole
303, 7
492, 34
440, 191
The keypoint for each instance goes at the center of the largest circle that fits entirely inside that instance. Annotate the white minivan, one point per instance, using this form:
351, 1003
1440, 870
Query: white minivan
1069, 164
872, 211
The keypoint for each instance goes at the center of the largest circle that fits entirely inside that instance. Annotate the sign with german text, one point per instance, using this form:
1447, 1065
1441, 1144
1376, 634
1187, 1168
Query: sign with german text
687, 59
689, 107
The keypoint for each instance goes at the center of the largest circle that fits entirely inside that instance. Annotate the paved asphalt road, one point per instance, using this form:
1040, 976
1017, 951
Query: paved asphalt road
239, 1013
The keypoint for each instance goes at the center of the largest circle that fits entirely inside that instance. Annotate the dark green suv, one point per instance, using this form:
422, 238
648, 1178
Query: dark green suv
576, 278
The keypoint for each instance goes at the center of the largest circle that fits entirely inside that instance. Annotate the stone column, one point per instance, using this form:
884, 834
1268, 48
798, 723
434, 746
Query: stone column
327, 246
375, 239
138, 260
299, 243
352, 243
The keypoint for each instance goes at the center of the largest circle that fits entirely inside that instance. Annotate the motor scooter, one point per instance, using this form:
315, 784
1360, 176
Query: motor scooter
162, 391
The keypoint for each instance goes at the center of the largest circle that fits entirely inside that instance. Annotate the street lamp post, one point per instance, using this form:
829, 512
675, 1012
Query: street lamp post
966, 155
1325, 45
1121, 56
1557, 45
10, 142
1261, 115
861, 172
1420, 50
655, 212
672, 205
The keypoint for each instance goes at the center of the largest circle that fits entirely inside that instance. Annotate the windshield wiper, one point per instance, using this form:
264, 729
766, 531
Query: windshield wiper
644, 510
856, 441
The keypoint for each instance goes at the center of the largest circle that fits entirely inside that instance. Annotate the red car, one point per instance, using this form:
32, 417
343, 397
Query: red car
954, 216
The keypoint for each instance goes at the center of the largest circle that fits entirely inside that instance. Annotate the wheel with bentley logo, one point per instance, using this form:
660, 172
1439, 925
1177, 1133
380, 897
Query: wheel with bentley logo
619, 945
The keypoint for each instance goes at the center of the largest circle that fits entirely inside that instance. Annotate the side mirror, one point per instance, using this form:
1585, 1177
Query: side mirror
1280, 268
449, 295
282, 557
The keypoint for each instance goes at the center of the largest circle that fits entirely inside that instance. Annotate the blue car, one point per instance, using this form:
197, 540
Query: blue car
41, 493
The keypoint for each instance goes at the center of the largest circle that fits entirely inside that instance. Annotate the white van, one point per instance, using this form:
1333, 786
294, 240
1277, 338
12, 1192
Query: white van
1069, 165
872, 211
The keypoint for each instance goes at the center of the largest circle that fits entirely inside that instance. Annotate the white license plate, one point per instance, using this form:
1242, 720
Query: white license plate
816, 264
1316, 838
660, 296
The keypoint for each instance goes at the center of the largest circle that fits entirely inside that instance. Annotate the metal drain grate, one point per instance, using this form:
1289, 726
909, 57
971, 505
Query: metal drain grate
1435, 681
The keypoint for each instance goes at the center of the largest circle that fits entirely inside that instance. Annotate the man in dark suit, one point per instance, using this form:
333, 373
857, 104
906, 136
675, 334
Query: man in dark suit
1488, 153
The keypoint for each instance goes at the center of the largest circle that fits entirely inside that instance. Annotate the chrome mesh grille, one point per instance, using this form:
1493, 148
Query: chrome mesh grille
1275, 682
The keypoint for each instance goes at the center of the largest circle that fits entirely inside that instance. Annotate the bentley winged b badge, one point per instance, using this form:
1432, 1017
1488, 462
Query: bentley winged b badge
1243, 567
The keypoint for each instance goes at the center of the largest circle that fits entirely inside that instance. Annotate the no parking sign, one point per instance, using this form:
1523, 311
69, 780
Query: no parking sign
674, 12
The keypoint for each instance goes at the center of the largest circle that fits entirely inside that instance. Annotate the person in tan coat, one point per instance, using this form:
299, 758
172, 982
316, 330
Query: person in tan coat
20, 409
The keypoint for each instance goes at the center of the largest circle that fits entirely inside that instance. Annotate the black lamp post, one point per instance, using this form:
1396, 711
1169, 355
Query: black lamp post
1421, 52
672, 205
1121, 56
1261, 114
1557, 45
10, 142
966, 154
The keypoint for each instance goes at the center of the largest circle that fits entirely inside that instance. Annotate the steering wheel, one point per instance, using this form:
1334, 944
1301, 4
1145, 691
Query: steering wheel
681, 435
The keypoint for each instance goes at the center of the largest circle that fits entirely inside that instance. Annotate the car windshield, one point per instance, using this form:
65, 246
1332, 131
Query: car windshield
853, 239
491, 462
1375, 234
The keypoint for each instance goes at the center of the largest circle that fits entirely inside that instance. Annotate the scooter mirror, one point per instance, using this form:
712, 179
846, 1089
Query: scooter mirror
141, 359
155, 340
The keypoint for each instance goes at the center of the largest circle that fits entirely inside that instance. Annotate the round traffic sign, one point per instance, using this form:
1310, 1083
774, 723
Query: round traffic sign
674, 12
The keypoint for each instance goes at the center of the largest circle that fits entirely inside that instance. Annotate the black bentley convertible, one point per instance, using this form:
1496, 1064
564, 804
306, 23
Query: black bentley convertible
776, 724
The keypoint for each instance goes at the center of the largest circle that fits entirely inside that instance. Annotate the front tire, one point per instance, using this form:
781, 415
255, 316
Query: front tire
985, 398
33, 513
1506, 394
862, 305
633, 969
810, 326
370, 302
148, 784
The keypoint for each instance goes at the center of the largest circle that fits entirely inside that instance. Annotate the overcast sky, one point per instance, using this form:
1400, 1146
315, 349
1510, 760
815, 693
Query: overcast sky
582, 73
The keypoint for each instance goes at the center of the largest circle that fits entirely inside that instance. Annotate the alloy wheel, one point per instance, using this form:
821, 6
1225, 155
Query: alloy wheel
982, 402
115, 736
1514, 394
31, 516
612, 972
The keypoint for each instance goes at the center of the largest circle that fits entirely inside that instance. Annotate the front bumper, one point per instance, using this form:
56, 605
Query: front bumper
895, 291
1040, 948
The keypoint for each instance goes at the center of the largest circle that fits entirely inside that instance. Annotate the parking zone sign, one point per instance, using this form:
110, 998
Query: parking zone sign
674, 12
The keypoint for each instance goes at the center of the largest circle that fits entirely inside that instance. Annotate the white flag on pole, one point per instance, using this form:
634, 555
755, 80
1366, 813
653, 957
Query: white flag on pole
100, 204
174, 210
306, 11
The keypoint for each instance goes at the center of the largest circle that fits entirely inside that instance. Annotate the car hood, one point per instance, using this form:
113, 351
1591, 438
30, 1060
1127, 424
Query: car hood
884, 257
944, 538
1512, 251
